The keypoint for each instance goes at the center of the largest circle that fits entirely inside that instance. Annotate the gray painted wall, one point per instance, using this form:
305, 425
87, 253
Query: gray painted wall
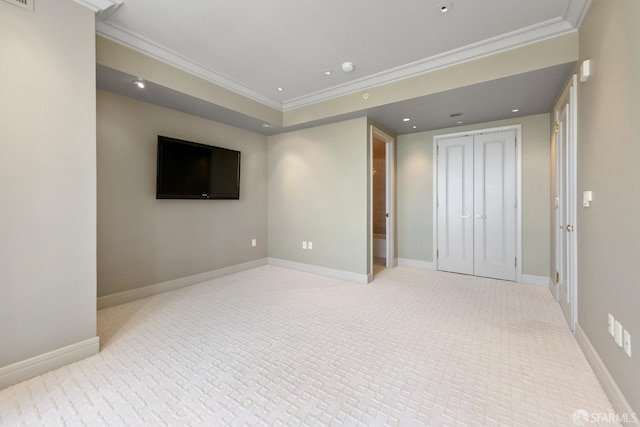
415, 192
608, 164
47, 167
144, 241
318, 192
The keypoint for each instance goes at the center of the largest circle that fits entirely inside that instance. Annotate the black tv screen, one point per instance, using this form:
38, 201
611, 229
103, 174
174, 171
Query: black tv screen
188, 170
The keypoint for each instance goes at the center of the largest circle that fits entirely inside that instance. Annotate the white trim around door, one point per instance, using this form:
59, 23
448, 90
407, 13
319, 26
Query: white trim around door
565, 282
391, 260
518, 190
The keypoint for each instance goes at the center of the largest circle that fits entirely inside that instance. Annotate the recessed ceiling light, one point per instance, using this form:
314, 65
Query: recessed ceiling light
445, 7
406, 119
139, 83
459, 122
280, 89
327, 72
267, 125
347, 67
415, 127
515, 110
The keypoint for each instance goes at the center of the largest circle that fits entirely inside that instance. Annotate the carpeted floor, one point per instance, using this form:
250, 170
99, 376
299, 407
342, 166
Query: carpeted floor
272, 347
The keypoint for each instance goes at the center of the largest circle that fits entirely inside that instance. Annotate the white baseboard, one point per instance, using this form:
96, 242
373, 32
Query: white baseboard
158, 288
619, 402
43, 363
322, 271
425, 265
534, 280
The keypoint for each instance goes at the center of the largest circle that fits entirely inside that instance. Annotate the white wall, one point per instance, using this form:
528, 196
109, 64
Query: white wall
318, 192
48, 176
415, 192
143, 241
608, 164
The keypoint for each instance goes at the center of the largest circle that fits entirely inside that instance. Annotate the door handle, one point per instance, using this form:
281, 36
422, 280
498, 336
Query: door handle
481, 216
568, 228
466, 216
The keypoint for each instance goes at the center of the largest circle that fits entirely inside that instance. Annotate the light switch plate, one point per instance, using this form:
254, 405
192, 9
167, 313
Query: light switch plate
611, 321
618, 335
585, 70
627, 343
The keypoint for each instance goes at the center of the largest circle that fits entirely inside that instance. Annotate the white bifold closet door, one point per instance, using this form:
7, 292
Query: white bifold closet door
476, 210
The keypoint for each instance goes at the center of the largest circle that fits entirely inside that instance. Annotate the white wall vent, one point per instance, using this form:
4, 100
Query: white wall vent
24, 4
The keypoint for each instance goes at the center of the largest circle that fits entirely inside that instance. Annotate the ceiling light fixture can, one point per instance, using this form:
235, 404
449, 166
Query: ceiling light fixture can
139, 83
347, 67
445, 6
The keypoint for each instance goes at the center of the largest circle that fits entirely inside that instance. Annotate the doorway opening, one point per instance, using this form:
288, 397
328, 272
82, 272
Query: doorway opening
382, 202
379, 183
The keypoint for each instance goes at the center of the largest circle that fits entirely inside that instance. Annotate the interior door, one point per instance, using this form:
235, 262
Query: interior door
455, 205
495, 205
563, 214
389, 200
565, 211
476, 204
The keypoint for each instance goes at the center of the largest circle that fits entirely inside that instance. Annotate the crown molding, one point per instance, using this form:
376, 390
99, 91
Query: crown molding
543, 31
574, 14
98, 5
575, 11
161, 53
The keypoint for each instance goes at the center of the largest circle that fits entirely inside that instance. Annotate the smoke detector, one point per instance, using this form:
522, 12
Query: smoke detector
347, 67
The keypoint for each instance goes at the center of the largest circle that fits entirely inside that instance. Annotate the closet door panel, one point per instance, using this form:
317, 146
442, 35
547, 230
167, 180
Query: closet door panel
455, 205
495, 205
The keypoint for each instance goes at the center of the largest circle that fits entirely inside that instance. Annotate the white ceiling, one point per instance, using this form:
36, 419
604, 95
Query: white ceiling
253, 47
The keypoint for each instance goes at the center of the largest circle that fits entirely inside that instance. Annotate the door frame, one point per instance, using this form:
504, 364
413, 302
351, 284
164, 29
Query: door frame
570, 91
390, 195
518, 129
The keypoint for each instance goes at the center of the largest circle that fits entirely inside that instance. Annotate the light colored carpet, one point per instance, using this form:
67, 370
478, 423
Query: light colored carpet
271, 347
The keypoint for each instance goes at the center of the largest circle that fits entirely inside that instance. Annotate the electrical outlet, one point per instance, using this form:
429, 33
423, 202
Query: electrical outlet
627, 343
618, 336
304, 245
310, 245
611, 327
253, 242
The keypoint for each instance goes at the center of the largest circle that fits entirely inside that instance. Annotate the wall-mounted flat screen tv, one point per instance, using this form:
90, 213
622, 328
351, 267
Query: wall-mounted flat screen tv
188, 170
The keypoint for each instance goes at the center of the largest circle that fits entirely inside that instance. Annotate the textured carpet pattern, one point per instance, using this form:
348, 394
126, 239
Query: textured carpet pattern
272, 347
